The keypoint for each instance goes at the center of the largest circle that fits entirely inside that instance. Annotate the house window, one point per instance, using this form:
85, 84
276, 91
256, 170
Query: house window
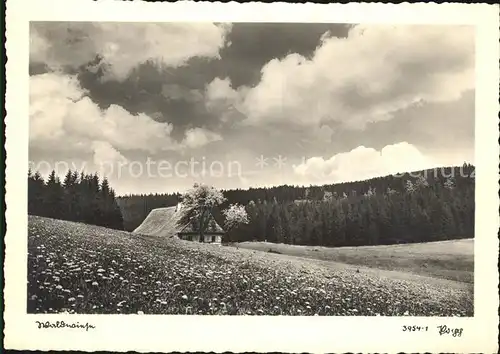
213, 238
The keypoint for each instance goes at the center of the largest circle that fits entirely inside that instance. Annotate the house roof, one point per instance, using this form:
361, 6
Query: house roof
160, 222
212, 227
164, 222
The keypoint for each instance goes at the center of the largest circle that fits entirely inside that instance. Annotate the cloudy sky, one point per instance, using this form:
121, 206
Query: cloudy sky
157, 107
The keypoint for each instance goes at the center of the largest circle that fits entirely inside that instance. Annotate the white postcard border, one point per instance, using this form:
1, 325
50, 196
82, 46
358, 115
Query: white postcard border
252, 333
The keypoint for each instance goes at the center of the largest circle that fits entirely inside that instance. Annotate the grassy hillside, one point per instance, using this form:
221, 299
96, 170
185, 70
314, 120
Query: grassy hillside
89, 269
453, 260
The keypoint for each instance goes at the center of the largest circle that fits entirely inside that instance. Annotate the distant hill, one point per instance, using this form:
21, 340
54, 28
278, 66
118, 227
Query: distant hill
420, 206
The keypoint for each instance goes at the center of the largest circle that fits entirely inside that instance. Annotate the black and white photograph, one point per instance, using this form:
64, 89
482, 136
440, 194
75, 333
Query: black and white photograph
252, 170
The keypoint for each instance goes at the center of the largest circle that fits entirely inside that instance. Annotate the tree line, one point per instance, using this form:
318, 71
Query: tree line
79, 197
420, 206
424, 213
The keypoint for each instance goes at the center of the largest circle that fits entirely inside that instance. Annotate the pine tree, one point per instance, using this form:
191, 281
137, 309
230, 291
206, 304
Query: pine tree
70, 201
278, 226
54, 197
78, 198
339, 226
285, 222
36, 194
115, 220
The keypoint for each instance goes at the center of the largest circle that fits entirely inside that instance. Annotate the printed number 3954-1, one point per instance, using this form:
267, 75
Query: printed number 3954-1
415, 328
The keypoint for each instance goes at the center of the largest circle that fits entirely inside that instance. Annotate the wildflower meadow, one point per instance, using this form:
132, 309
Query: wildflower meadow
86, 269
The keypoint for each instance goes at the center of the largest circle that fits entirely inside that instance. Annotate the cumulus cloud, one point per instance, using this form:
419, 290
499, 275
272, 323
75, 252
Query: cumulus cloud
225, 101
105, 153
63, 117
367, 77
198, 137
119, 47
60, 113
220, 89
51, 99
363, 163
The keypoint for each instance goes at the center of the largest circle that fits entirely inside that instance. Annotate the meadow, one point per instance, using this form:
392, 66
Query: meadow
453, 259
80, 268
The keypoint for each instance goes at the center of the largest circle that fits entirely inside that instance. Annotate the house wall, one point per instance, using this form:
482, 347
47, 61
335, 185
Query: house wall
189, 237
213, 238
208, 238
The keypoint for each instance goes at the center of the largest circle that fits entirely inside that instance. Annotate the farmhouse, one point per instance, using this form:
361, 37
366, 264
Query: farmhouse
212, 234
164, 222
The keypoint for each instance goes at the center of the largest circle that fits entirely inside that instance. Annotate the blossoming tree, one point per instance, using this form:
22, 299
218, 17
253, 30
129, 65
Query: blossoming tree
235, 215
197, 205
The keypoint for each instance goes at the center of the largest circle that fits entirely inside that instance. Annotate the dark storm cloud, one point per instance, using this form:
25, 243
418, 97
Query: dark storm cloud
37, 68
176, 95
252, 45
164, 95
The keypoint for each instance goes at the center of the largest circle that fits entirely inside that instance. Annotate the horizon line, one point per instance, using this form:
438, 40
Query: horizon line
298, 185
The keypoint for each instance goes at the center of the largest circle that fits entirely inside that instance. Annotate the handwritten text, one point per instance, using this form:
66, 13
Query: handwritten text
62, 324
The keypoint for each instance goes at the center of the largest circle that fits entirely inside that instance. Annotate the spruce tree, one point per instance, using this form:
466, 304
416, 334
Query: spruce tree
36, 194
54, 197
